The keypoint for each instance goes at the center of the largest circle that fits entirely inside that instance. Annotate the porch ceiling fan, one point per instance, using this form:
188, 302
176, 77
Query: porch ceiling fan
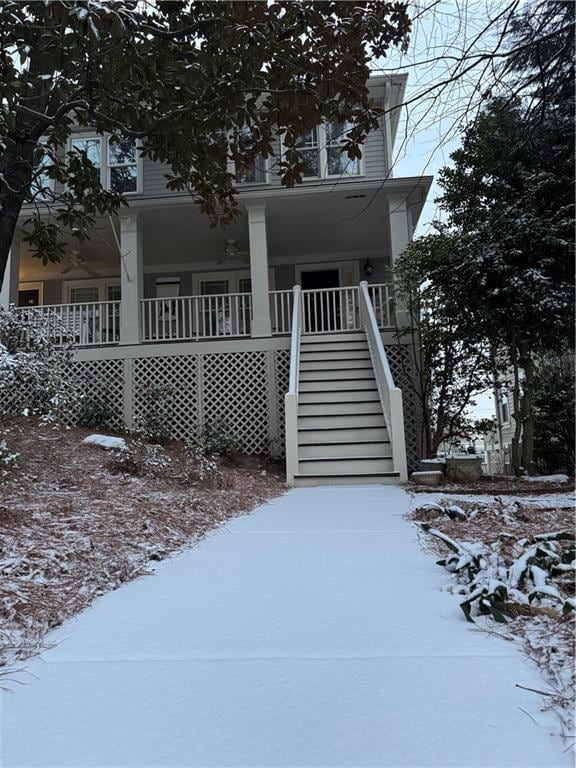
76, 261
231, 252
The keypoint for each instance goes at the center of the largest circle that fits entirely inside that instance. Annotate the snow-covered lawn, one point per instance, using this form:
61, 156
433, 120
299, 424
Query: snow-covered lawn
74, 524
313, 632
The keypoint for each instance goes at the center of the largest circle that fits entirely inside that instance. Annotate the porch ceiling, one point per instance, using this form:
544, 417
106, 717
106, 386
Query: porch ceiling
340, 222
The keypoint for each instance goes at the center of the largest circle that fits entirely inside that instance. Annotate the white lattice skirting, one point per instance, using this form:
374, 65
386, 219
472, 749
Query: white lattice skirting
244, 389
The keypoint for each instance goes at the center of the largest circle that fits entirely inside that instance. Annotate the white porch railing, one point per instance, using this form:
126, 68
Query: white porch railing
382, 297
291, 398
86, 325
281, 304
196, 317
390, 395
336, 310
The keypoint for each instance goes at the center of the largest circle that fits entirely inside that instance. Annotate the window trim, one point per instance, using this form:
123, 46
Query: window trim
323, 160
101, 283
231, 168
233, 277
104, 164
33, 286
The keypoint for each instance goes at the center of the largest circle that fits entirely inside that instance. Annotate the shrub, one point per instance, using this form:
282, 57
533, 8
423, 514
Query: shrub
154, 423
217, 439
95, 411
35, 372
8, 460
138, 458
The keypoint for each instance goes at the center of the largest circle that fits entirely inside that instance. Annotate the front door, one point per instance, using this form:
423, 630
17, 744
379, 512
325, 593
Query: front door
321, 306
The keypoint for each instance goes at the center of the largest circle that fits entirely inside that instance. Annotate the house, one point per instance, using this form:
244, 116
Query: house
157, 296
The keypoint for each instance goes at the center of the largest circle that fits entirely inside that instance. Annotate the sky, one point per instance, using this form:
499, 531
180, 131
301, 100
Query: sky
430, 127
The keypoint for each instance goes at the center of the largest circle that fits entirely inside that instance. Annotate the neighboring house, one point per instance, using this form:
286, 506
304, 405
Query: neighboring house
159, 297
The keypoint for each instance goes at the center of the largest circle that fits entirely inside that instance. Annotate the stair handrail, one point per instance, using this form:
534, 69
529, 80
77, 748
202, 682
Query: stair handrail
291, 397
390, 394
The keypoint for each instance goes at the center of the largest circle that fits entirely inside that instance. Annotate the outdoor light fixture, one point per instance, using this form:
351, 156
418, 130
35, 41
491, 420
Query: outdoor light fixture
368, 268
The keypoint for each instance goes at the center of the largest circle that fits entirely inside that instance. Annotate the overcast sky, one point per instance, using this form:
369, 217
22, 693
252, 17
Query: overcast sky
431, 126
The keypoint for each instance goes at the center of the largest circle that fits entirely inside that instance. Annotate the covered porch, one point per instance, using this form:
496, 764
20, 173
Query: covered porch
160, 274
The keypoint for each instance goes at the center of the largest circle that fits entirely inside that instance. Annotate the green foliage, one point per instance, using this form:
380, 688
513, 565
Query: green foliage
35, 374
180, 78
154, 422
217, 439
554, 399
452, 361
95, 410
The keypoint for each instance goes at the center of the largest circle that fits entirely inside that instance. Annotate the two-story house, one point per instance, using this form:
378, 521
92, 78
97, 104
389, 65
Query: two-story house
157, 296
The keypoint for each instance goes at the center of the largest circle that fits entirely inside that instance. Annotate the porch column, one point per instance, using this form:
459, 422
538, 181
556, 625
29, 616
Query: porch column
261, 323
131, 279
400, 236
9, 290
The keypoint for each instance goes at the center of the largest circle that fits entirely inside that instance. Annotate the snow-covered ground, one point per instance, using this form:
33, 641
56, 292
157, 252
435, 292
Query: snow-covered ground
313, 632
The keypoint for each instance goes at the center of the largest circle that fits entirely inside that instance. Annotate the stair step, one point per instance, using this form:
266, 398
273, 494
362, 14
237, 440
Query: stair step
338, 465
343, 396
375, 449
334, 354
336, 364
337, 421
330, 346
342, 374
323, 435
331, 385
335, 409
383, 478
332, 338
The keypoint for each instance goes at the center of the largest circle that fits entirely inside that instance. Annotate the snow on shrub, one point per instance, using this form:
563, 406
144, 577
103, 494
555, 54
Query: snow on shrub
8, 460
35, 372
500, 580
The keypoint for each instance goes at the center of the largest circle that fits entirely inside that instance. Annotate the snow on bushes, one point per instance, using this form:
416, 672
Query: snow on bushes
500, 578
503, 577
35, 373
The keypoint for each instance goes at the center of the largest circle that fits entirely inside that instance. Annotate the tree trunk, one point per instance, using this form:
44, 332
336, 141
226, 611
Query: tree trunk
517, 438
16, 168
527, 410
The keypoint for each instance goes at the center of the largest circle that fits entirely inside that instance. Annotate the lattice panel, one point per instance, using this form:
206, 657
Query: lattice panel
282, 377
235, 390
102, 379
401, 365
179, 375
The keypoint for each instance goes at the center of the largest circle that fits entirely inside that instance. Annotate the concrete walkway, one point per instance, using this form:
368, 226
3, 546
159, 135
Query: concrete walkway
313, 632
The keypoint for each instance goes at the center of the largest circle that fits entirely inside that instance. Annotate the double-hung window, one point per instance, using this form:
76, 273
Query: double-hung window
114, 159
321, 150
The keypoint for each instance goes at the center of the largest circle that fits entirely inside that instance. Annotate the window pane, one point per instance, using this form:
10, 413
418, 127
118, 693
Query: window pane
244, 285
213, 287
336, 132
256, 173
339, 164
84, 295
121, 152
310, 138
311, 157
124, 178
114, 293
92, 147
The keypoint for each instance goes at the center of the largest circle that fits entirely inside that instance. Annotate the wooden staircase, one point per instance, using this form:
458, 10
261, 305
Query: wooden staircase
342, 437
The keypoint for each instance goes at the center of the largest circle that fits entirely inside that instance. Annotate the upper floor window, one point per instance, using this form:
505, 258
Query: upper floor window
114, 159
321, 149
248, 174
42, 186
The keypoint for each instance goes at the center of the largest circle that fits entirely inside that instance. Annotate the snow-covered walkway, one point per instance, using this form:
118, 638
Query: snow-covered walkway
310, 633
